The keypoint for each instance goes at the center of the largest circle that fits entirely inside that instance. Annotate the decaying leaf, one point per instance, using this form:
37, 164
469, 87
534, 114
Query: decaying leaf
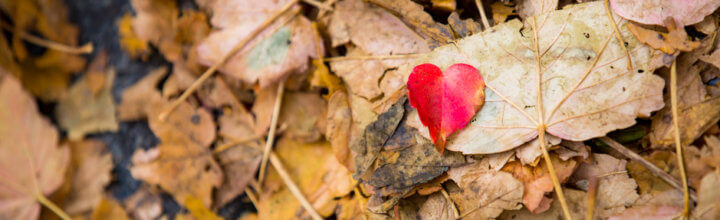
537, 180
368, 146
655, 11
616, 190
182, 164
484, 194
31, 163
413, 14
675, 39
374, 32
587, 90
89, 175
445, 101
83, 111
270, 56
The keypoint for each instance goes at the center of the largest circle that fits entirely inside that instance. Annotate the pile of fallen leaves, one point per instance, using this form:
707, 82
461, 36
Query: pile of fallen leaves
313, 109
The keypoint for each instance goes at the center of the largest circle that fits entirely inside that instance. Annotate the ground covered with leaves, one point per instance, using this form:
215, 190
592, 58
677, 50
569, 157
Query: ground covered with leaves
359, 109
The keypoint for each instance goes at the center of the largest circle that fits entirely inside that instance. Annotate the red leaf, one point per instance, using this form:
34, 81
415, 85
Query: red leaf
445, 102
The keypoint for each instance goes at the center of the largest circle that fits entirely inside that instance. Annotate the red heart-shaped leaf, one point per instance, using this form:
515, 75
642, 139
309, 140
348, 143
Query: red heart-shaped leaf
445, 102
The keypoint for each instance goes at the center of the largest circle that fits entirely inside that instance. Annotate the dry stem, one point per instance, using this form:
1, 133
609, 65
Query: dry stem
271, 135
84, 49
678, 145
485, 22
275, 161
617, 35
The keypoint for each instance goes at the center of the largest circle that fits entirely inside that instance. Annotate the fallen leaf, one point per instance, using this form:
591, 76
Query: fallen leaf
89, 175
273, 56
484, 194
137, 98
413, 14
339, 122
321, 78
198, 210
708, 197
144, 204
463, 28
694, 121
304, 114
240, 162
154, 22
129, 41
32, 164
529, 8
368, 145
182, 164
374, 32
575, 201
501, 11
537, 180
675, 39
82, 111
445, 101
616, 190
437, 207
648, 212
655, 12
109, 209
588, 90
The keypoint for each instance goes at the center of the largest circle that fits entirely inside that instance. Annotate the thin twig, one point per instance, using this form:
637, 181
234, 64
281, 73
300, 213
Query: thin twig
271, 135
84, 49
591, 197
252, 197
275, 161
647, 164
481, 9
50, 205
209, 72
617, 35
678, 145
380, 57
234, 142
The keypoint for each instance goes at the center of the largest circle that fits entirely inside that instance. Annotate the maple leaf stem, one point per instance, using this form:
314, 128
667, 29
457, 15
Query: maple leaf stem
670, 180
678, 145
52, 206
617, 34
481, 9
541, 125
84, 49
271, 134
210, 71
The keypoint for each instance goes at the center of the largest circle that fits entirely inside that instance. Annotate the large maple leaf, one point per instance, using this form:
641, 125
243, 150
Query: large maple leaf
562, 73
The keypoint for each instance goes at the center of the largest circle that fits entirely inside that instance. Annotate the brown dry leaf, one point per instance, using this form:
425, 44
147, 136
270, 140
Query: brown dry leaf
501, 12
109, 209
129, 41
648, 212
154, 22
262, 108
269, 57
587, 89
368, 146
463, 28
437, 207
708, 206
82, 111
411, 13
137, 98
576, 204
616, 190
47, 75
304, 114
31, 163
321, 78
144, 204
182, 164
339, 122
484, 194
675, 39
529, 8
694, 120
351, 208
537, 180
240, 161
320, 180
374, 32
198, 210
89, 173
